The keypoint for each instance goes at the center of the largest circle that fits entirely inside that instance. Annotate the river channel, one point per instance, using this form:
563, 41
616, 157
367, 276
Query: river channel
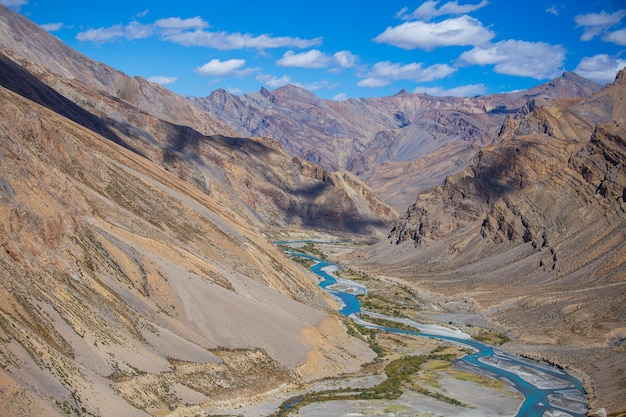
548, 391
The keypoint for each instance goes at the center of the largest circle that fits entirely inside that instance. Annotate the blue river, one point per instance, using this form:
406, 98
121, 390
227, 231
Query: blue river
552, 392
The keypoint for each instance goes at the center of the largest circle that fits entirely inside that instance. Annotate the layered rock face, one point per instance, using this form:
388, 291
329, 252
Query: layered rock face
542, 148
533, 232
399, 145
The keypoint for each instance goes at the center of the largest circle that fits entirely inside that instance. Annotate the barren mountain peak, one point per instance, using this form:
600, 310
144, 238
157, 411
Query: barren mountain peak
395, 136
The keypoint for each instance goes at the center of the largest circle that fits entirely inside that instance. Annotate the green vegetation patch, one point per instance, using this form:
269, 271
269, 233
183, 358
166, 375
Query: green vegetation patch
478, 379
311, 249
306, 262
400, 375
392, 324
491, 337
351, 274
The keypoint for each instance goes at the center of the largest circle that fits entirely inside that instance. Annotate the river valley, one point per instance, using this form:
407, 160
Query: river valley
445, 370
547, 390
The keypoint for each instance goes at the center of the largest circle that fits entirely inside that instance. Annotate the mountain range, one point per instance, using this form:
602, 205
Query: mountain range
399, 145
137, 270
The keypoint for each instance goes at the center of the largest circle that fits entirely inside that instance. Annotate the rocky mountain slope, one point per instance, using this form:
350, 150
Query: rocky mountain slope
134, 275
533, 234
272, 187
124, 288
26, 39
399, 145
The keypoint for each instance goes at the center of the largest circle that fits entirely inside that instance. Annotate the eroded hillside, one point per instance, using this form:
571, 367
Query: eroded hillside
533, 235
121, 282
134, 275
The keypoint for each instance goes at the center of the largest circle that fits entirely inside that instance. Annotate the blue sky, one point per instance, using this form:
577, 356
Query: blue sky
344, 49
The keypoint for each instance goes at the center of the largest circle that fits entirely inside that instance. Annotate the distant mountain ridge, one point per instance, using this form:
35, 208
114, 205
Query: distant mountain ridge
385, 141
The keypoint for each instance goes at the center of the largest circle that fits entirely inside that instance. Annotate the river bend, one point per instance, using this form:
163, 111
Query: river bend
548, 391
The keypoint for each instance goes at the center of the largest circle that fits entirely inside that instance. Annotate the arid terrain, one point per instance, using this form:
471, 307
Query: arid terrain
399, 145
139, 273
532, 236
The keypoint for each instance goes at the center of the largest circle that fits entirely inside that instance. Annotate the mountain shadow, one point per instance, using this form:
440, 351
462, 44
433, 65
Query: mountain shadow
15, 78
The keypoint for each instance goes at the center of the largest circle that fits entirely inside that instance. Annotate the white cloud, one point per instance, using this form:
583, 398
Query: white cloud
340, 97
470, 90
273, 82
314, 86
52, 27
537, 60
383, 73
600, 68
162, 79
229, 41
14, 4
373, 82
595, 24
618, 37
142, 14
415, 71
461, 31
234, 91
134, 30
345, 59
309, 59
176, 23
193, 32
317, 59
101, 35
553, 10
429, 9
217, 68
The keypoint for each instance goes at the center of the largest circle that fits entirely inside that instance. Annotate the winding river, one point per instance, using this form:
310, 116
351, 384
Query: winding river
548, 391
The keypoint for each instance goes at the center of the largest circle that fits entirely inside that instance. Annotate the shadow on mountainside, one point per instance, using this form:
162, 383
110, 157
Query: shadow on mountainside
307, 198
15, 78
183, 140
326, 218
505, 169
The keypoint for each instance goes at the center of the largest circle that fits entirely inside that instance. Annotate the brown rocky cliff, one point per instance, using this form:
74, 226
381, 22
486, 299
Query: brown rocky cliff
533, 147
